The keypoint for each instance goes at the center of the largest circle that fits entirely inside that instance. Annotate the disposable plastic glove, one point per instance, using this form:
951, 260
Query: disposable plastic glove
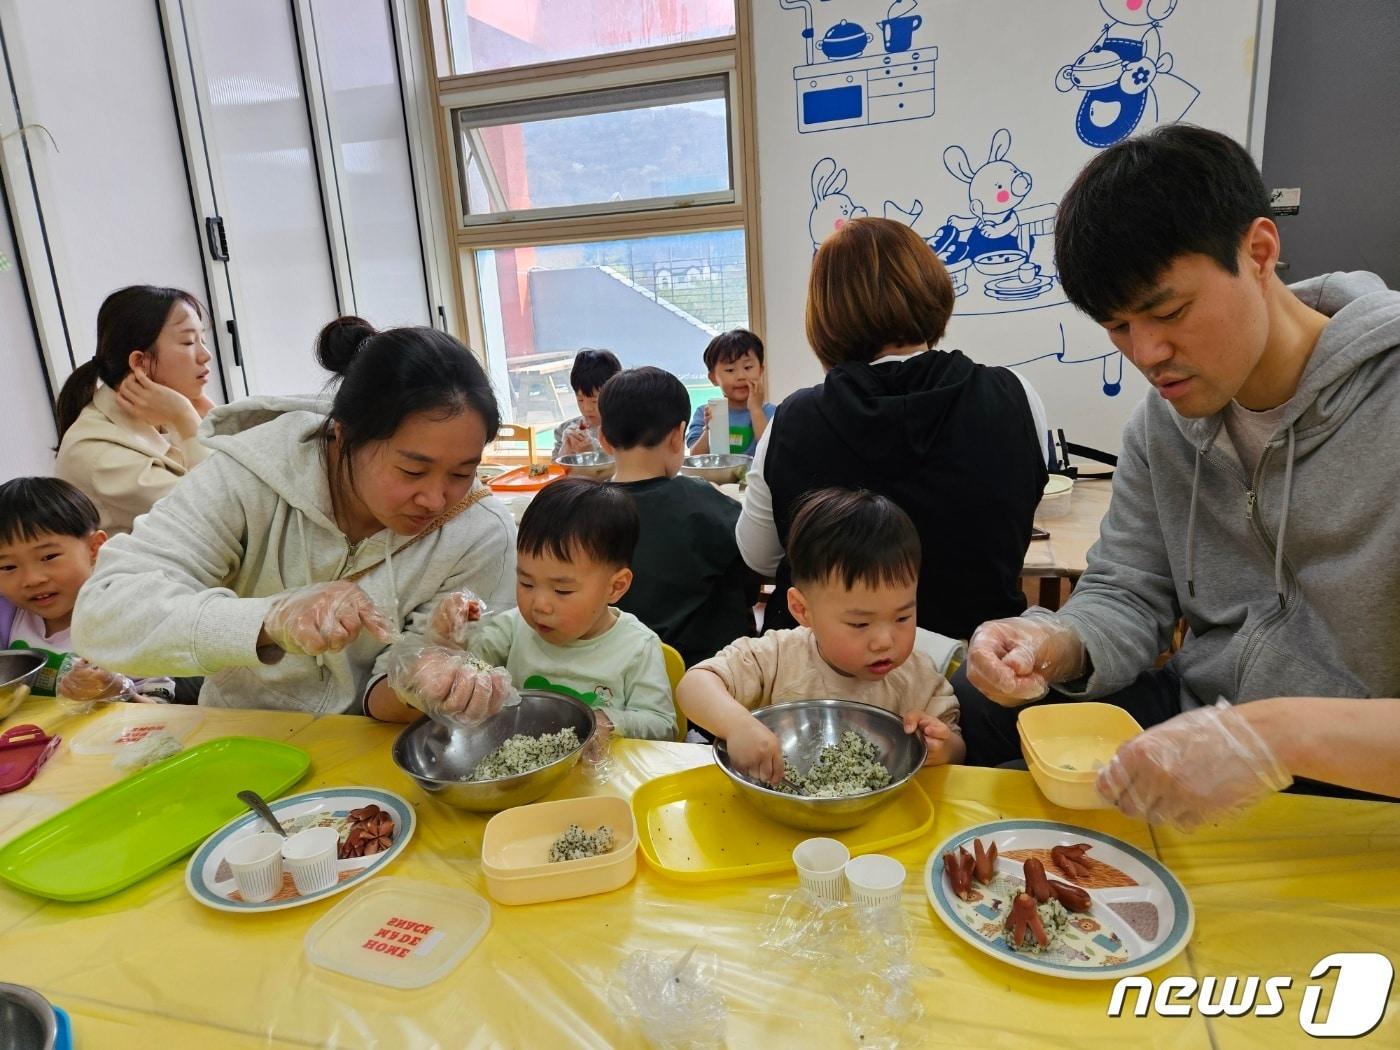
448, 684
87, 683
1201, 766
1015, 661
455, 619
755, 751
324, 618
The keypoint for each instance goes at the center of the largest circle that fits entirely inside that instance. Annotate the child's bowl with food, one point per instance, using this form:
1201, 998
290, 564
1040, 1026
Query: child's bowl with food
516, 756
571, 847
805, 730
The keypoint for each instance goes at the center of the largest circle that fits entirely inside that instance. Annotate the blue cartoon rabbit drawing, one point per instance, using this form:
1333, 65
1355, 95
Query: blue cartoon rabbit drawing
994, 191
832, 207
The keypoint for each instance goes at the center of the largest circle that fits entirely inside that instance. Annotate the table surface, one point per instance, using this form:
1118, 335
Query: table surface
1295, 880
1066, 552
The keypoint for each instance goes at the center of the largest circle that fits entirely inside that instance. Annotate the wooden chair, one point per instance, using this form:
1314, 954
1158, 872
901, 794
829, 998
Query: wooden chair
514, 446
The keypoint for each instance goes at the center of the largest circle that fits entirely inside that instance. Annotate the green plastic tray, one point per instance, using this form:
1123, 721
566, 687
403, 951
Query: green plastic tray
139, 825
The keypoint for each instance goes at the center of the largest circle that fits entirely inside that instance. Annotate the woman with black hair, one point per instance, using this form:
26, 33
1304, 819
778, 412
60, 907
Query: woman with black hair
126, 440
285, 566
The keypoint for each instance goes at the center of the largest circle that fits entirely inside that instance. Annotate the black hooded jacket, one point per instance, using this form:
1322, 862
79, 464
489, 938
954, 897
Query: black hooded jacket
952, 443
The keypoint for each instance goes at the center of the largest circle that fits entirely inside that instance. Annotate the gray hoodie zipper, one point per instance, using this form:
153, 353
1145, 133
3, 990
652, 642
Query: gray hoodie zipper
1289, 598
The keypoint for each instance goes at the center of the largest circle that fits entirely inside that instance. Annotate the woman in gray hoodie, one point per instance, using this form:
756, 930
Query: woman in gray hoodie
282, 568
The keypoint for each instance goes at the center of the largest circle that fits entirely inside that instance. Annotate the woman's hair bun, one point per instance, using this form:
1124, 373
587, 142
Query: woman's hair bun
338, 341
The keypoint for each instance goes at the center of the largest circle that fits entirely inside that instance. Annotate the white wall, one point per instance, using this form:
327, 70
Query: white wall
111, 181
974, 68
29, 437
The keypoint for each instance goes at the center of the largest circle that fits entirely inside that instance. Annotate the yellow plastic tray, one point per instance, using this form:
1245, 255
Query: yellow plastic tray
695, 826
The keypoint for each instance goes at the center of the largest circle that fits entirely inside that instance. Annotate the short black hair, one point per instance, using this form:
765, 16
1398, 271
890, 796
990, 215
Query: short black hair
730, 346
34, 507
853, 536
641, 406
574, 516
1145, 202
593, 368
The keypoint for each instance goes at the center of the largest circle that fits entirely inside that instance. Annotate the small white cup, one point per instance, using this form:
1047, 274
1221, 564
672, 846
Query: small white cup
311, 858
256, 863
875, 879
821, 866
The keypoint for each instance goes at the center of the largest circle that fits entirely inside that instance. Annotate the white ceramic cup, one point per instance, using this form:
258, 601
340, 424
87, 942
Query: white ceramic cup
821, 866
256, 863
311, 858
875, 879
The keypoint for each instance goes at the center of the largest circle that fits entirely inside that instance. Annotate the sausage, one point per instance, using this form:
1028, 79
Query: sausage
1070, 860
1037, 885
985, 863
1072, 897
959, 867
1024, 923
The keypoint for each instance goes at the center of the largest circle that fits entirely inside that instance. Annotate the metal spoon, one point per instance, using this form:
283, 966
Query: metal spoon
254, 801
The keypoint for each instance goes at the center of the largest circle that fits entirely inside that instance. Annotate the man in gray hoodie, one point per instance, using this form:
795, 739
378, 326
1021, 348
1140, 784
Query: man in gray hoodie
1252, 499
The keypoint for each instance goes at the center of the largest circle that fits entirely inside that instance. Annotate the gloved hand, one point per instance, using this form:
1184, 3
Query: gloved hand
324, 618
1204, 765
577, 438
87, 683
449, 684
454, 619
1015, 661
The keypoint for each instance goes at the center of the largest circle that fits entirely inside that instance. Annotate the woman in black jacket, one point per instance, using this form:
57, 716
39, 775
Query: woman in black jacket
951, 442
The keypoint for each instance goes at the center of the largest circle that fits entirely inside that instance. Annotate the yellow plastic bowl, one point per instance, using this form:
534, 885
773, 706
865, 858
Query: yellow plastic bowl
515, 850
1065, 745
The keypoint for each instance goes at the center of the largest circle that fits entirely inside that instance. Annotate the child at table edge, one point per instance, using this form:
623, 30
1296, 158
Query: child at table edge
49, 539
565, 636
855, 561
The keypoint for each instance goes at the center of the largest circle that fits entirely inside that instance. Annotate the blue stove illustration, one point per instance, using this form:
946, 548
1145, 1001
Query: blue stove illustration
848, 88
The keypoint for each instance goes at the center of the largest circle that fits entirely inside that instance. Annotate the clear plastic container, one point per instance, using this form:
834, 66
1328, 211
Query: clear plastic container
123, 724
399, 932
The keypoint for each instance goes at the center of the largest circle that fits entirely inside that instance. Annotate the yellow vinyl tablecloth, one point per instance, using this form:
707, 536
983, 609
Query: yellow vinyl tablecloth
1295, 880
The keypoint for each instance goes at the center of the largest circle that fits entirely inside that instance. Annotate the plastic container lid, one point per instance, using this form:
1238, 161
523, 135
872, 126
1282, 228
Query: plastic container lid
23, 752
399, 932
124, 724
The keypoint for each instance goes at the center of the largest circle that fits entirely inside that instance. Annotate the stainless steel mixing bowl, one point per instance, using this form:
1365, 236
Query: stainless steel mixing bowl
803, 728
597, 465
718, 469
441, 758
18, 670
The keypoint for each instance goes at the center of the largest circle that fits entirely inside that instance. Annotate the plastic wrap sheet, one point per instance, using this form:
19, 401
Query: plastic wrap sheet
1276, 891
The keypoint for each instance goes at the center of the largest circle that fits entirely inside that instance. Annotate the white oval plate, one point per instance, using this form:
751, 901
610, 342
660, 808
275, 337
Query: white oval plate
1141, 916
211, 883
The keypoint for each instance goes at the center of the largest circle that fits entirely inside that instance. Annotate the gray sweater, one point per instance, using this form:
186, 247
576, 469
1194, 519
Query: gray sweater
1289, 580
187, 591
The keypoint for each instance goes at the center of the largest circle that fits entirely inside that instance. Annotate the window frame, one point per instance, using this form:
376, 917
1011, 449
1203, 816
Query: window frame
730, 55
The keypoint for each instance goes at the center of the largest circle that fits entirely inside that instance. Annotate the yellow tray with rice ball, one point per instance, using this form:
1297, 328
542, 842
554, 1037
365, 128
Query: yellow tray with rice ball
696, 827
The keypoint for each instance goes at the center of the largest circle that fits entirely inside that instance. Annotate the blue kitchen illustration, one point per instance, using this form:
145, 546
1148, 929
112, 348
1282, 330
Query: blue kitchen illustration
856, 75
997, 248
1125, 78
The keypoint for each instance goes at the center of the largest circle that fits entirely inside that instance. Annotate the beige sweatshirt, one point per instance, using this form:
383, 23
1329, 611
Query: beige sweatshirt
782, 666
122, 464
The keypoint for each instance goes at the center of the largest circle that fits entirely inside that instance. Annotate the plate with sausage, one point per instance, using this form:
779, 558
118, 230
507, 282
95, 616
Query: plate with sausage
1059, 899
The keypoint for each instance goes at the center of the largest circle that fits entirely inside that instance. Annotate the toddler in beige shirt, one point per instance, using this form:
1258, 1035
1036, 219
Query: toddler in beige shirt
855, 570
